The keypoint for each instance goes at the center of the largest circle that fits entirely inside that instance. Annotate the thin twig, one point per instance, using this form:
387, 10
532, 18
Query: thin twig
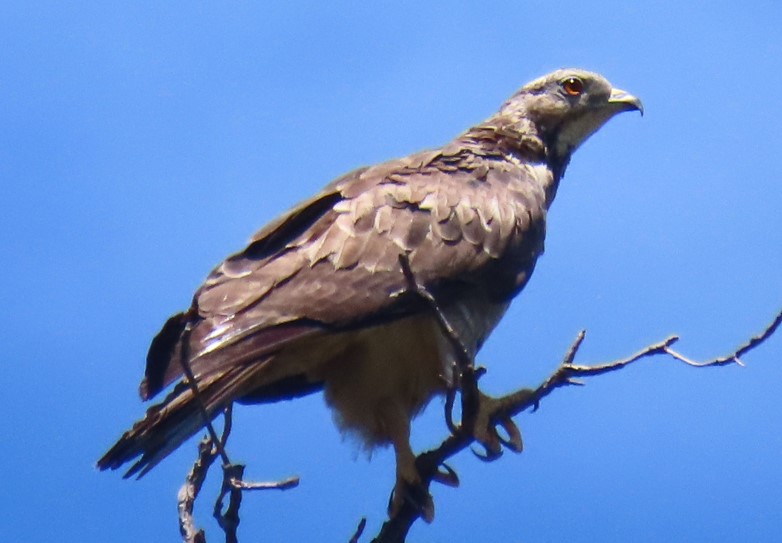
756, 340
428, 463
734, 357
285, 484
481, 415
359, 530
232, 486
567, 370
190, 490
229, 520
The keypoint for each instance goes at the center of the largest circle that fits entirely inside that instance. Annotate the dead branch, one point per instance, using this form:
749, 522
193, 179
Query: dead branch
233, 482
359, 530
189, 492
229, 520
285, 484
430, 462
480, 417
734, 357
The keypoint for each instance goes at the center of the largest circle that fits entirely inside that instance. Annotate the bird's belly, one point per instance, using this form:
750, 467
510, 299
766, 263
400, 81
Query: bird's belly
388, 373
384, 377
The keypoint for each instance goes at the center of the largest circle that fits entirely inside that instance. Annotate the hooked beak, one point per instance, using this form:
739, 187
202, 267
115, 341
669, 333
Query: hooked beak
625, 101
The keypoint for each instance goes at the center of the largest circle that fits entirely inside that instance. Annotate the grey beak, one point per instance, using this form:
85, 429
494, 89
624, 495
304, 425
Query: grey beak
625, 100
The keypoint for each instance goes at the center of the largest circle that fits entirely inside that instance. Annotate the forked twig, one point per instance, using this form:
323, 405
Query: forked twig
189, 492
735, 357
428, 463
233, 483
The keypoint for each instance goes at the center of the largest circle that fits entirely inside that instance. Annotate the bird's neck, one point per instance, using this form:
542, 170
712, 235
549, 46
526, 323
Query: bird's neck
519, 137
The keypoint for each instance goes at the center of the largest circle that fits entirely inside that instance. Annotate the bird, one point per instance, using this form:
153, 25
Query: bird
318, 300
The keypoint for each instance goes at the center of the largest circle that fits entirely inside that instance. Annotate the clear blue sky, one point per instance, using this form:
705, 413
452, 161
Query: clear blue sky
140, 143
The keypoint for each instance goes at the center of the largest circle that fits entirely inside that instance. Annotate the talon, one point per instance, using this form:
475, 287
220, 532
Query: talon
488, 456
513, 442
409, 488
414, 494
447, 477
450, 397
485, 421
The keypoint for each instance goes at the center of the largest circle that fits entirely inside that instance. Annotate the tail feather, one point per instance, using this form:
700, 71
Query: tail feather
171, 422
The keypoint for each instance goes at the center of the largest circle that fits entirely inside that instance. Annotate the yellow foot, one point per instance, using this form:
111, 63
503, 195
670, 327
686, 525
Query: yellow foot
412, 492
483, 415
487, 420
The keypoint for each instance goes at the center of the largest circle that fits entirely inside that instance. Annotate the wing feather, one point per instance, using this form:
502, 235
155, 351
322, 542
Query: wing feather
332, 261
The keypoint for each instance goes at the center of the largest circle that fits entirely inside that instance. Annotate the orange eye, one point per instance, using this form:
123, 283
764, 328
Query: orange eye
573, 86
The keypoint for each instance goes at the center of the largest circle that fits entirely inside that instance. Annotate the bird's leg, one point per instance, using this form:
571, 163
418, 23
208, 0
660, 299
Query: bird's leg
483, 414
409, 486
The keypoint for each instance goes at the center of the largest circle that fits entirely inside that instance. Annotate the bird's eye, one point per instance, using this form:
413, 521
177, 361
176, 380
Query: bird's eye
573, 86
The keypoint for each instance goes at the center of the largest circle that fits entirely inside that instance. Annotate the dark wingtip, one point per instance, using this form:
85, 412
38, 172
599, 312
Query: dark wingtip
159, 355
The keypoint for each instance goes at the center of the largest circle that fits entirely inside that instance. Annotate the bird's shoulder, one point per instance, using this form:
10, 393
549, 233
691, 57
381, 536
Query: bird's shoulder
452, 210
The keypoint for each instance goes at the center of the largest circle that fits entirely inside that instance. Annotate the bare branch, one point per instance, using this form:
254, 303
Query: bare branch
428, 463
567, 370
359, 530
285, 484
229, 520
232, 486
481, 415
754, 341
735, 356
189, 492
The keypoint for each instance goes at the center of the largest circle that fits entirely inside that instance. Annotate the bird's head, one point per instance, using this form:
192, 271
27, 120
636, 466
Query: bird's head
567, 106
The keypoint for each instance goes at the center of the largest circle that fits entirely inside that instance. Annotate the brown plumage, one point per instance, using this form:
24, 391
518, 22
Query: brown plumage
318, 300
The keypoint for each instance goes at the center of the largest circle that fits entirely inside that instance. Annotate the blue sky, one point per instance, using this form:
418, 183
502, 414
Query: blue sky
140, 144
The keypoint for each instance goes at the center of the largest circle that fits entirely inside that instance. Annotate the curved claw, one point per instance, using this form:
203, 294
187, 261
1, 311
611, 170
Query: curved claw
450, 397
513, 441
488, 438
414, 494
489, 456
447, 477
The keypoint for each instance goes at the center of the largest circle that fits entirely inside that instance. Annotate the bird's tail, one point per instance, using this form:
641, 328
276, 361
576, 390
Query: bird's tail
169, 423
